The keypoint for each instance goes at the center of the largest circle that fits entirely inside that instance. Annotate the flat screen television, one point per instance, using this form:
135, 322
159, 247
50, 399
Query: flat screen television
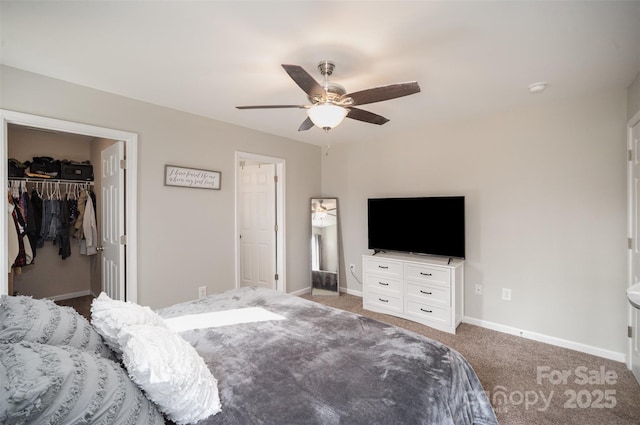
425, 225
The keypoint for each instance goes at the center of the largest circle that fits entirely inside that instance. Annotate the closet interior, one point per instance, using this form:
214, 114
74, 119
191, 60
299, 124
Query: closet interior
64, 262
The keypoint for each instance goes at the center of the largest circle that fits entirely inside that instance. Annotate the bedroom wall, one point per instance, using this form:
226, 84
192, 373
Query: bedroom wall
633, 98
186, 236
545, 209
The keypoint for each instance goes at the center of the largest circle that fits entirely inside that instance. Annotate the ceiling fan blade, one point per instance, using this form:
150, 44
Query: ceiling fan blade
366, 116
378, 94
271, 106
304, 80
306, 125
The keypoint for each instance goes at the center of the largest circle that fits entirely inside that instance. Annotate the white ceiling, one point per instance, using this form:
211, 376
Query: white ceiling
206, 57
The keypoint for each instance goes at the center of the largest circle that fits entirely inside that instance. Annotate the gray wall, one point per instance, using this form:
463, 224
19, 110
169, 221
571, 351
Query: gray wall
545, 209
186, 236
633, 98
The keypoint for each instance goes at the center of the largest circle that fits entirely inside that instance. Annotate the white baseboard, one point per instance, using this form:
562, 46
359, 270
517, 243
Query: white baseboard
70, 295
559, 342
346, 290
551, 340
351, 292
300, 291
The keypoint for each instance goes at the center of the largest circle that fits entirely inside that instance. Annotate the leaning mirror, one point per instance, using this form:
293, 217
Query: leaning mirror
324, 246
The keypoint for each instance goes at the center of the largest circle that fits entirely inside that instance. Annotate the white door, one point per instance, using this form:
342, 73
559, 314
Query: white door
634, 227
112, 189
257, 224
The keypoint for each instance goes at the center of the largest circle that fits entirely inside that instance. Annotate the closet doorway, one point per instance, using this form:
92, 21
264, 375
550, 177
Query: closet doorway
260, 200
112, 270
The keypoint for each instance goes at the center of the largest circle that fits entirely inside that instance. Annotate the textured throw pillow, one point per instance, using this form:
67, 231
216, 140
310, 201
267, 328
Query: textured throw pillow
171, 373
109, 316
24, 318
44, 384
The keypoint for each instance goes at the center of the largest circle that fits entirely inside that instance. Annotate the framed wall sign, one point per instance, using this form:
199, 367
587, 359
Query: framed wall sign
191, 177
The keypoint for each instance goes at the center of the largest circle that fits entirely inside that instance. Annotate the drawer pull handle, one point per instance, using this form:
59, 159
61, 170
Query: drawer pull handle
426, 311
426, 274
426, 293
384, 301
384, 267
384, 284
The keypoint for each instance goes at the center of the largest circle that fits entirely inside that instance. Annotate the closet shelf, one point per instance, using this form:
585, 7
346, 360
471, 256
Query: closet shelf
39, 180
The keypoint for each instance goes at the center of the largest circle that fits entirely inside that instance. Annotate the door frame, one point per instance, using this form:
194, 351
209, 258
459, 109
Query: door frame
280, 251
131, 186
632, 122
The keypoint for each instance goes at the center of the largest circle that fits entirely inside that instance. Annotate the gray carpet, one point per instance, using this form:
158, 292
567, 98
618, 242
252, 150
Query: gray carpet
597, 390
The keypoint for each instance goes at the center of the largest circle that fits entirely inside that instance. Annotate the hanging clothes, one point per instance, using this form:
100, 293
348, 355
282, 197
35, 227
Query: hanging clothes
12, 233
82, 202
55, 217
63, 237
21, 259
34, 219
90, 228
45, 228
24, 202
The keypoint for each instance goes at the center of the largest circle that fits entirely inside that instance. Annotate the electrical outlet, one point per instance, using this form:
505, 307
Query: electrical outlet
506, 294
202, 292
352, 267
478, 289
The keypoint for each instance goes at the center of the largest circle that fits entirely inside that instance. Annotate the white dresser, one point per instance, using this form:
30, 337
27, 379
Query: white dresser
427, 290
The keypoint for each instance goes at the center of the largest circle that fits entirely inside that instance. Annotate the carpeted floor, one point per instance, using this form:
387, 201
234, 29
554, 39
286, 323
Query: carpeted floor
81, 304
530, 382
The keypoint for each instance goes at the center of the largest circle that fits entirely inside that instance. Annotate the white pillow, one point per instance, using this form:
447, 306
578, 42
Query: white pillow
171, 373
109, 316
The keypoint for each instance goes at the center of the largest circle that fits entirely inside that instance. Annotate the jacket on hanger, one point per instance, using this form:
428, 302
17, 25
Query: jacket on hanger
90, 228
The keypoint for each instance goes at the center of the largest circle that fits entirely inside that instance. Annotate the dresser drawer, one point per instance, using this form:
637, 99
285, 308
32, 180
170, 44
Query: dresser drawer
431, 294
429, 312
383, 301
428, 274
383, 283
383, 266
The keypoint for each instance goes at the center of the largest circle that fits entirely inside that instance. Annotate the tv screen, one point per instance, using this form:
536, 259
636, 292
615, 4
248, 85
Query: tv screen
428, 225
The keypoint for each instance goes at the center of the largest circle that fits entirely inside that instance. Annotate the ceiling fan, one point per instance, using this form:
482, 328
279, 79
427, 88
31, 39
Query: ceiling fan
330, 102
318, 207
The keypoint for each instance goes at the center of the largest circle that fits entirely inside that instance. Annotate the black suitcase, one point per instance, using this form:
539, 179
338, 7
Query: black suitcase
72, 170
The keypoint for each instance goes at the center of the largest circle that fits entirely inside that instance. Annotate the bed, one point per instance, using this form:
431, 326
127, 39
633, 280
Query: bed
326, 366
276, 358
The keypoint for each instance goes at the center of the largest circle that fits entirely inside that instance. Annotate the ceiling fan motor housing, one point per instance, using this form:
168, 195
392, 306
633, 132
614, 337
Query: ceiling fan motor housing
333, 90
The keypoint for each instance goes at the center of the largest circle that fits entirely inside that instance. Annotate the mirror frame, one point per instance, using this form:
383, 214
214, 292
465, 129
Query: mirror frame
325, 248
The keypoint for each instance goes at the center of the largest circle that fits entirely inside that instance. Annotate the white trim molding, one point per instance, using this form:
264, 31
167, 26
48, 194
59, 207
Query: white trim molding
351, 292
551, 340
131, 154
71, 295
630, 279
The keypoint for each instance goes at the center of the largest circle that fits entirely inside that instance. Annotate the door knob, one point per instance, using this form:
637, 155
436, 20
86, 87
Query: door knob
100, 248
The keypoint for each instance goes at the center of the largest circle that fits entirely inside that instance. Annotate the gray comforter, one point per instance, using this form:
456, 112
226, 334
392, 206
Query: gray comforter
326, 366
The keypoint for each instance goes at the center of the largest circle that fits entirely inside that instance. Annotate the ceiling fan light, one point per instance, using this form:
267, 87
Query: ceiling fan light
327, 115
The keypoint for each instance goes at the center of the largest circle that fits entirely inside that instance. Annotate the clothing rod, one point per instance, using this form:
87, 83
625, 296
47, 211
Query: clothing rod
36, 180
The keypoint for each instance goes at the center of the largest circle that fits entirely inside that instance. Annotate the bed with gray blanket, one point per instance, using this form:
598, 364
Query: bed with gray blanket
326, 366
